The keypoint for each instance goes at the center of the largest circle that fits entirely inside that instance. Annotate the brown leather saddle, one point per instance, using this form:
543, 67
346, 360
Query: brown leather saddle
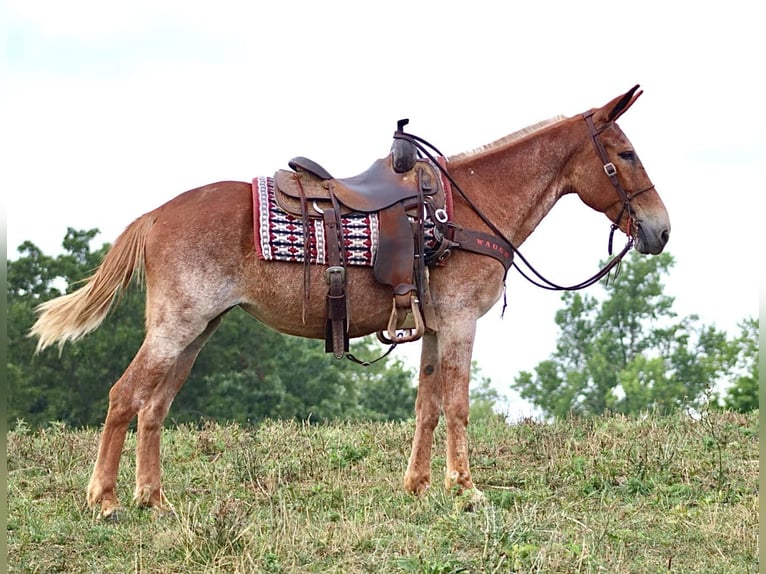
403, 191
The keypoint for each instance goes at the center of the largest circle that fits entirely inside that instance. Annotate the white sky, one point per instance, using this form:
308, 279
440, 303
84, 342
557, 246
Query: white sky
111, 109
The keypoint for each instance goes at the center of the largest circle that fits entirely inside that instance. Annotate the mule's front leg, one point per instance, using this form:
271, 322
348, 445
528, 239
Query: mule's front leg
417, 479
456, 348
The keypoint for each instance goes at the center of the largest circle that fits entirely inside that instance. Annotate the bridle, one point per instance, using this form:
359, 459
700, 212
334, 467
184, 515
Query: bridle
611, 171
539, 280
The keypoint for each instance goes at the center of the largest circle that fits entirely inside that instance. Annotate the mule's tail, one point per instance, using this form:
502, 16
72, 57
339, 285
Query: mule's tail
72, 316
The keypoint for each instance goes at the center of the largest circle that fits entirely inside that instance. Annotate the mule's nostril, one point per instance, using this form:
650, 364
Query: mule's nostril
665, 235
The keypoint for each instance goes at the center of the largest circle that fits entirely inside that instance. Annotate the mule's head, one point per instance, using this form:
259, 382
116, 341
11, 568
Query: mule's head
610, 178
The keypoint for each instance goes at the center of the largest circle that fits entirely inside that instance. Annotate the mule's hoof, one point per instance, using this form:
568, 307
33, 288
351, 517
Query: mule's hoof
150, 497
458, 481
416, 486
107, 505
109, 512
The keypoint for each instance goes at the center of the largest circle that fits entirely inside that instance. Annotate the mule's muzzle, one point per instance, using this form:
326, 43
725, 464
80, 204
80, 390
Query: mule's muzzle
651, 239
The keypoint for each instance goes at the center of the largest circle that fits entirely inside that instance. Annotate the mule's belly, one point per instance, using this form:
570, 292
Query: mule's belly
280, 301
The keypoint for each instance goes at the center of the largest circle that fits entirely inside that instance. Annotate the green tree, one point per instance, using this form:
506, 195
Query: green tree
629, 352
246, 372
742, 396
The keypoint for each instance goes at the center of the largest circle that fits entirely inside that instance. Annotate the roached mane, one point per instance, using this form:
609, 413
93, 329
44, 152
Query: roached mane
508, 139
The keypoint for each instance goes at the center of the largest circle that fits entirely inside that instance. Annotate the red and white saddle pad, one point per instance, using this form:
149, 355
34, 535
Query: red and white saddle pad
279, 235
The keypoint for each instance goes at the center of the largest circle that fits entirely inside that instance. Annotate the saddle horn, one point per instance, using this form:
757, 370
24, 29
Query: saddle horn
404, 154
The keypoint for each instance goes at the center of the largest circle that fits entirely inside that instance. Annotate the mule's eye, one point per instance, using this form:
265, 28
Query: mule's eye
627, 155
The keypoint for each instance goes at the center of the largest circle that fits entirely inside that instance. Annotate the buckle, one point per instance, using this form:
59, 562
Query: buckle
609, 169
335, 269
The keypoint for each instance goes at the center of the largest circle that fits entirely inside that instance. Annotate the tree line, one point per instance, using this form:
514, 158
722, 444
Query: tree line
626, 351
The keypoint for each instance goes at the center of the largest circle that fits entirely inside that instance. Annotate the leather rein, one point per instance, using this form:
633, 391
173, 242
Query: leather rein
539, 280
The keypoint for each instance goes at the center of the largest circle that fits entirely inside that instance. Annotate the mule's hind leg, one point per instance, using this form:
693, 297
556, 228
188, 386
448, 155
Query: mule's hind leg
417, 479
146, 375
126, 396
151, 417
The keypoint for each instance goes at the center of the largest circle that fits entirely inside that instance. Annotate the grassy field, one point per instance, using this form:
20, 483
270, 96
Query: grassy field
609, 495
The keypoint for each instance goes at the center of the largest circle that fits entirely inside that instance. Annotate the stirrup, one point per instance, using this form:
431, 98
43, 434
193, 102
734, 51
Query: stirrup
413, 327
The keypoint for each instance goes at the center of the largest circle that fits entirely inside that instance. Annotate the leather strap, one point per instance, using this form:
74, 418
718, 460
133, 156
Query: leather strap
336, 331
483, 243
306, 248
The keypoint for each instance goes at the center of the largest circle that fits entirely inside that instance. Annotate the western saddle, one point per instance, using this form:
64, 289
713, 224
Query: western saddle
411, 202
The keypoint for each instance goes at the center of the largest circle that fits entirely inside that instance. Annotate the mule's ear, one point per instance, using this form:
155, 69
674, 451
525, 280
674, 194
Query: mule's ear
618, 106
621, 105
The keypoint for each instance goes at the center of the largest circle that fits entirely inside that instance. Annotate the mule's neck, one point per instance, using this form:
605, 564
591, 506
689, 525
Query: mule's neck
515, 183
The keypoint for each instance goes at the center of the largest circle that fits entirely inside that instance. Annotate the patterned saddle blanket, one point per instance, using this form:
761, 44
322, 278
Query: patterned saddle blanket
279, 235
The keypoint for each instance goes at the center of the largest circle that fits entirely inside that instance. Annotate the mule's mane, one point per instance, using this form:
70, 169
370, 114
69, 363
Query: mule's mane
515, 136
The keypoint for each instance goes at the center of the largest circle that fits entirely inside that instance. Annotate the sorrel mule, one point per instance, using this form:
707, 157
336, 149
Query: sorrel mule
196, 255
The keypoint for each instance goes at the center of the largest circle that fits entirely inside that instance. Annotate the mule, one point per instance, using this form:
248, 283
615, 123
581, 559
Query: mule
196, 257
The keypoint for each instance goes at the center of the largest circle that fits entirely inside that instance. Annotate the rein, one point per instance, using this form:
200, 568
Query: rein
539, 280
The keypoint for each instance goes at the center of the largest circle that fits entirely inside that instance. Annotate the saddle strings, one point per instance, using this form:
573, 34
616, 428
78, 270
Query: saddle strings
541, 281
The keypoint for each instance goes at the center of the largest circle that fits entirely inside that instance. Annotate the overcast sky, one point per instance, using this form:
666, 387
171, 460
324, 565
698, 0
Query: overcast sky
111, 109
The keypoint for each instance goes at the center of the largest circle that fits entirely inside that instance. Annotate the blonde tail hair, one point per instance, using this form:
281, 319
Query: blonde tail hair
72, 316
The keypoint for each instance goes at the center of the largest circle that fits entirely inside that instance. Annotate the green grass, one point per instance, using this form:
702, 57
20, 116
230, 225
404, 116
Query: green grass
610, 494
